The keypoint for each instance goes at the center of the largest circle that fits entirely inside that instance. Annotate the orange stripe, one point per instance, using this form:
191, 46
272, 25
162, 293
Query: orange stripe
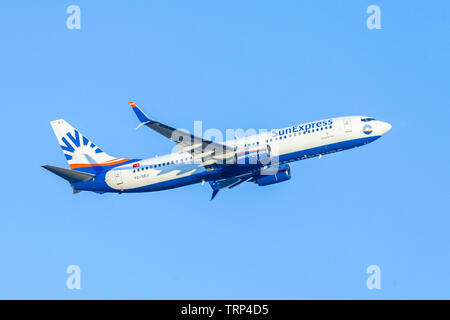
87, 165
132, 104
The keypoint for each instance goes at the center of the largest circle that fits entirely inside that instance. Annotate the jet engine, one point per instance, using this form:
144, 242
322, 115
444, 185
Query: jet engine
273, 175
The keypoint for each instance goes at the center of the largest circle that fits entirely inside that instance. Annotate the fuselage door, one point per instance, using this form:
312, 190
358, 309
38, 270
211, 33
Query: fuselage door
118, 177
347, 125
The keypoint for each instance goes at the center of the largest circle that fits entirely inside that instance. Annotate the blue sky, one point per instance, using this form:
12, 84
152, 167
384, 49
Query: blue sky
231, 64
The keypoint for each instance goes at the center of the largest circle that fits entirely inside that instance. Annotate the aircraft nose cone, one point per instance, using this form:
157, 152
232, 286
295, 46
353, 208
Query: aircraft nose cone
385, 127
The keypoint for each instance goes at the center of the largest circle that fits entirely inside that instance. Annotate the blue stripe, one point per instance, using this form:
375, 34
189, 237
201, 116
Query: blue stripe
326, 149
99, 185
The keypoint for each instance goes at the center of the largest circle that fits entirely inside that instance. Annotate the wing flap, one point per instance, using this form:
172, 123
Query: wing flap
229, 183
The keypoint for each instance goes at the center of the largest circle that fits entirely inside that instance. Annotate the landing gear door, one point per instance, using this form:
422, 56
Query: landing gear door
118, 177
348, 125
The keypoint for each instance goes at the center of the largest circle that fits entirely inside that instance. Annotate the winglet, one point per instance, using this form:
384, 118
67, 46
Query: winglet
132, 104
141, 115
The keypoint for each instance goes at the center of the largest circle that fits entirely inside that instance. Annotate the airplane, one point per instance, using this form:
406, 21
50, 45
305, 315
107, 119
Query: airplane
261, 158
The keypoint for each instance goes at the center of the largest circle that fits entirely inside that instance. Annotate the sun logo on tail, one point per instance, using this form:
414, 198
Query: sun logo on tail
77, 141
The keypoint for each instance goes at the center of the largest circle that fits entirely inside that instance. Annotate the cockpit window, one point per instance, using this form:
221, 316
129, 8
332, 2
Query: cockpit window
367, 119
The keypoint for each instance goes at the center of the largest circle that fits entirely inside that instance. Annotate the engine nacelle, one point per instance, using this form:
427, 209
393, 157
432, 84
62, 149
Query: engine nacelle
253, 156
273, 175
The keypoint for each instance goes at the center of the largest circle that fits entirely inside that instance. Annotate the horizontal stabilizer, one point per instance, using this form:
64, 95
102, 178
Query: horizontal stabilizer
70, 175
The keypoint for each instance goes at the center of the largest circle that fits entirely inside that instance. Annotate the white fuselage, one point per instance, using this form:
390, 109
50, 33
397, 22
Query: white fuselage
288, 144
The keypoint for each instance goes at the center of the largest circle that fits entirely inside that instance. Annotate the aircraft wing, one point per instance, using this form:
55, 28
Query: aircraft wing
197, 146
229, 183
